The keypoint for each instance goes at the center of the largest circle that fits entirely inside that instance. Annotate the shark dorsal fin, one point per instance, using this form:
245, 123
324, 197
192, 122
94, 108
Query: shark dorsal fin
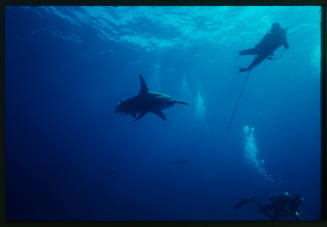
144, 89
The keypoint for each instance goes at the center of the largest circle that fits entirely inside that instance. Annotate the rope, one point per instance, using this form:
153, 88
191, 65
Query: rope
238, 101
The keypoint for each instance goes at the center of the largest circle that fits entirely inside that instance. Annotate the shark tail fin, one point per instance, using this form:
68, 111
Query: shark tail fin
182, 102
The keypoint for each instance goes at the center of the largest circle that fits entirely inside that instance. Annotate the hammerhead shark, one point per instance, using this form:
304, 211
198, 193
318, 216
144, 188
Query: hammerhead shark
145, 102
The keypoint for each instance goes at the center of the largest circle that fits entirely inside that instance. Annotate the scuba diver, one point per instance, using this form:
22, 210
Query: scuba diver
265, 49
282, 205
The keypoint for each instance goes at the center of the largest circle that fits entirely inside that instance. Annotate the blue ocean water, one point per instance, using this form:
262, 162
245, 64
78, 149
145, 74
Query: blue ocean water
70, 157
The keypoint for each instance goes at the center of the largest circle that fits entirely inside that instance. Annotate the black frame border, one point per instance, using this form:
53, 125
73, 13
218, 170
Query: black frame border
323, 84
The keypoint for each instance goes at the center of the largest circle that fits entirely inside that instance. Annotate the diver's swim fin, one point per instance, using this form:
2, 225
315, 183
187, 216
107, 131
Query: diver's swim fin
246, 201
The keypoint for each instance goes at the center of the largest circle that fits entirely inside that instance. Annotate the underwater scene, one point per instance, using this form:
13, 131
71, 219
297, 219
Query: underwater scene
148, 113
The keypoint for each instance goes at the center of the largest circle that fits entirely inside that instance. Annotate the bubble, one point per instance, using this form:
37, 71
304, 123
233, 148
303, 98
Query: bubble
251, 153
246, 129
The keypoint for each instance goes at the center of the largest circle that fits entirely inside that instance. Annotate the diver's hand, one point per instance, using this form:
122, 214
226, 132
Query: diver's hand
298, 216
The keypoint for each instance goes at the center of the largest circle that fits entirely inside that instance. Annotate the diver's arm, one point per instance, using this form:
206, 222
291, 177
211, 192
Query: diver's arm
298, 216
285, 43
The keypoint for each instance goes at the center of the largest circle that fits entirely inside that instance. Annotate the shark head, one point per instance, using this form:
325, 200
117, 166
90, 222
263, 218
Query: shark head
124, 108
121, 107
128, 106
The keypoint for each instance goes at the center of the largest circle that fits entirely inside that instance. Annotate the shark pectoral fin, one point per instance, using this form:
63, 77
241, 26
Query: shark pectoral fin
144, 89
140, 116
160, 114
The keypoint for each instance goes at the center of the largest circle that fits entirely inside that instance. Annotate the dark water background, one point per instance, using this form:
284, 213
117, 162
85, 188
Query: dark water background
68, 157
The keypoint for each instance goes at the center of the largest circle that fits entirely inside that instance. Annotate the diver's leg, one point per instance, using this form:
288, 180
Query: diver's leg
244, 69
256, 61
264, 209
246, 201
251, 51
242, 203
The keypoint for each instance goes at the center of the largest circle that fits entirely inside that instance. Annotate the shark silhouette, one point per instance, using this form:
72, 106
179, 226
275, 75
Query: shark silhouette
146, 102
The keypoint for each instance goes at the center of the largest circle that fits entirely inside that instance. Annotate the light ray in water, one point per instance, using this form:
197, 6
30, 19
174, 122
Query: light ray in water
156, 76
186, 87
251, 153
200, 109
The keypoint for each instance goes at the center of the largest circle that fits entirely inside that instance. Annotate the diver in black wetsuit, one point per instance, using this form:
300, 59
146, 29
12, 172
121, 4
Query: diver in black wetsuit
282, 205
265, 49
